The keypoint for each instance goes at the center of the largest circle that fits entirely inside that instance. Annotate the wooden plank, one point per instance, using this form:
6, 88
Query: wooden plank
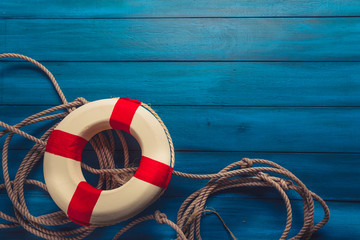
174, 83
186, 8
309, 129
264, 129
312, 168
241, 216
221, 39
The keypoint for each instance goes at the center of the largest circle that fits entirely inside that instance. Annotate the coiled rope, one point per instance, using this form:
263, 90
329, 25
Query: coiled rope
236, 175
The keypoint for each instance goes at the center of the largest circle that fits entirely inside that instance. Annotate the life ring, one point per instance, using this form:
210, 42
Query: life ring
83, 203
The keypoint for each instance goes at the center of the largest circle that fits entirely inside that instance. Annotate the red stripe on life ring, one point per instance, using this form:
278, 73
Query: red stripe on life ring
65, 145
154, 172
123, 114
82, 203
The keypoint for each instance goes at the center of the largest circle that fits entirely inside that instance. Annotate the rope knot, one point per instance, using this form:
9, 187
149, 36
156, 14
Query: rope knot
285, 184
246, 163
81, 100
264, 176
160, 217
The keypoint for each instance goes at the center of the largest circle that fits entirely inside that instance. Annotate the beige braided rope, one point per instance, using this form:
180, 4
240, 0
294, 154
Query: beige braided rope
236, 175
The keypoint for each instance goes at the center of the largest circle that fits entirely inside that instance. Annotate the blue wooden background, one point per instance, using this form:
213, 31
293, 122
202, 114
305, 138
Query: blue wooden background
271, 79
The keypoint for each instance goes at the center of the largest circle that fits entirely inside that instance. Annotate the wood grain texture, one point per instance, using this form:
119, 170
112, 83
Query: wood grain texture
245, 129
186, 8
263, 79
249, 214
222, 39
178, 83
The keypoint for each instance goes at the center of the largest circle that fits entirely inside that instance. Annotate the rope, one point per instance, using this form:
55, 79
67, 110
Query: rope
187, 227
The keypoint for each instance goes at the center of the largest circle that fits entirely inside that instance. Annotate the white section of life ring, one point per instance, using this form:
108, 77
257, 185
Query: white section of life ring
63, 175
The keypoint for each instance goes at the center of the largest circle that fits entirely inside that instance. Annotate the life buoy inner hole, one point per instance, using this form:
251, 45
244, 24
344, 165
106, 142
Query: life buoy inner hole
105, 151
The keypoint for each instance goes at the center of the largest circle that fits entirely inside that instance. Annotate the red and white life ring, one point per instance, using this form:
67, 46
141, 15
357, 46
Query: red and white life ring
67, 186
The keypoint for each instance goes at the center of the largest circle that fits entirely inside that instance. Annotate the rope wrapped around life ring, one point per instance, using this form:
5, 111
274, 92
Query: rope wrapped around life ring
239, 174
